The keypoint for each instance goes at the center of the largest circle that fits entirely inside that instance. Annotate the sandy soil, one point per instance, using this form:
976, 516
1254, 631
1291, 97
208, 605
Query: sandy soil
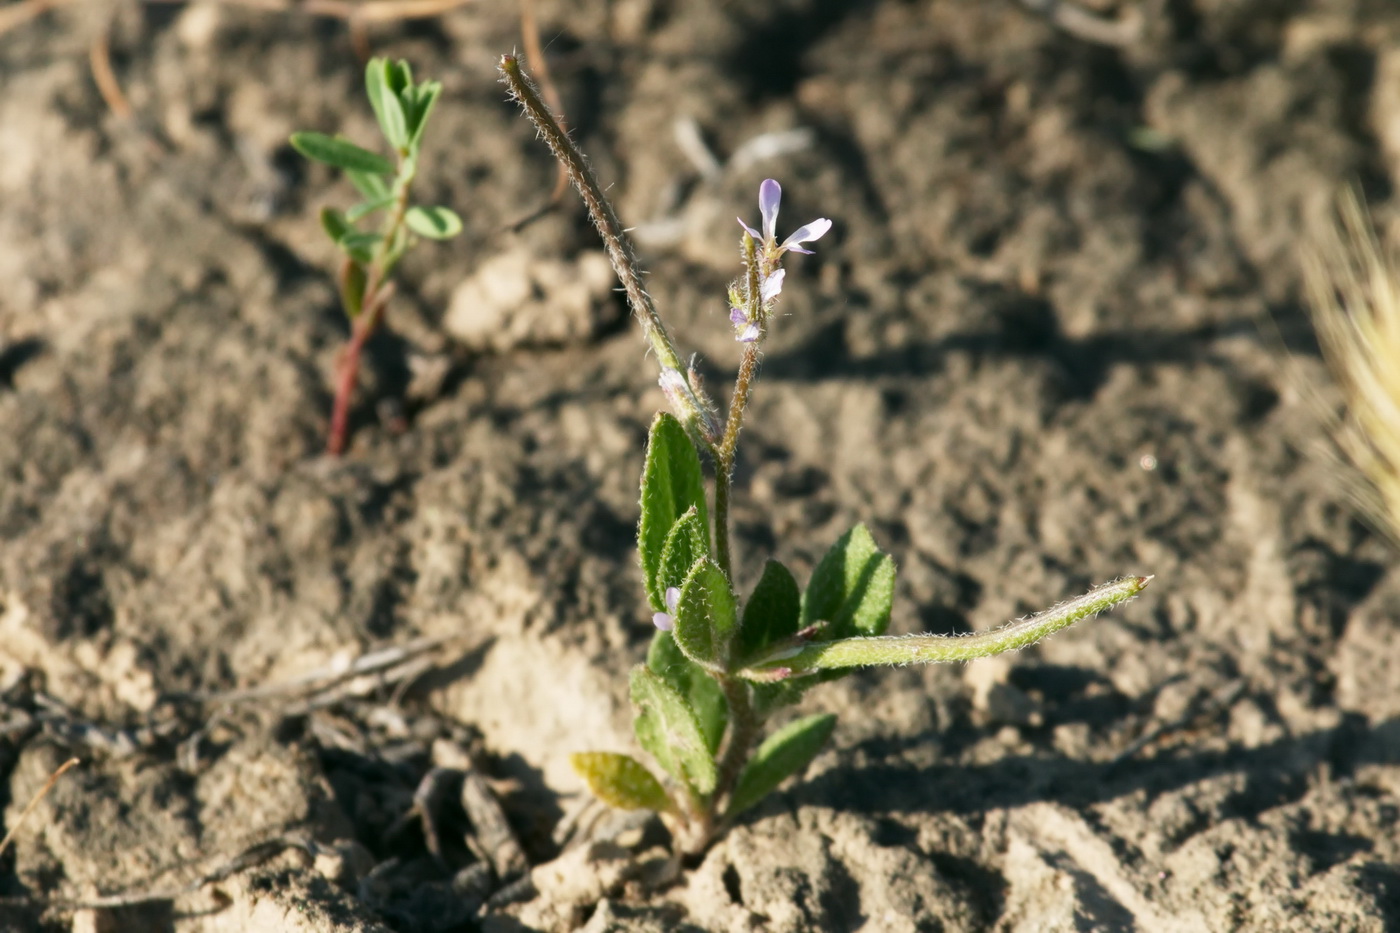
1042, 348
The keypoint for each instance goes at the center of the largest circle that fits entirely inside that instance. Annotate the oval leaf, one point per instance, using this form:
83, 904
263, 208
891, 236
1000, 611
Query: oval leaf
667, 728
784, 753
621, 781
387, 109
706, 616
672, 483
690, 680
435, 223
772, 611
336, 224
341, 153
852, 588
365, 208
352, 287
370, 184
424, 99
688, 541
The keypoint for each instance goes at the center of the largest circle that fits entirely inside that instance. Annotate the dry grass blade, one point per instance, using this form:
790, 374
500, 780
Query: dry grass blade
34, 801
1353, 286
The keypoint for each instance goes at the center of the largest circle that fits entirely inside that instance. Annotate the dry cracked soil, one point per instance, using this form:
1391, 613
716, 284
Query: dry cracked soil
1056, 336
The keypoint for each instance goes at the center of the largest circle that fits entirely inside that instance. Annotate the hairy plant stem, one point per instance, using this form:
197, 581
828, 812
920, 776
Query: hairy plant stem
615, 241
743, 386
744, 720
372, 304
933, 649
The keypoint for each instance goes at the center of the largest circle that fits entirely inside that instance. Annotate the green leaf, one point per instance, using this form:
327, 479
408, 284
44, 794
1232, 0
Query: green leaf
435, 223
387, 109
340, 152
621, 781
425, 99
400, 77
691, 681
851, 589
772, 611
667, 727
352, 287
671, 484
336, 224
365, 208
783, 754
688, 541
706, 616
360, 246
370, 184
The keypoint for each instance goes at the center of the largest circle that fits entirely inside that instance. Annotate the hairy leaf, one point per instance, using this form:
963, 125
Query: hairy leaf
667, 728
672, 483
706, 616
621, 781
782, 754
772, 612
690, 680
852, 588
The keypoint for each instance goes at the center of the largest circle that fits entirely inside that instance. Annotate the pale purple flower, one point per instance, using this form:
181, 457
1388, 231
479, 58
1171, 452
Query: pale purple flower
747, 331
667, 620
770, 195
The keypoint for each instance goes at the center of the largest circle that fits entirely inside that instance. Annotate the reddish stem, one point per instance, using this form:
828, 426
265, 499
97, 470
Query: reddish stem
348, 369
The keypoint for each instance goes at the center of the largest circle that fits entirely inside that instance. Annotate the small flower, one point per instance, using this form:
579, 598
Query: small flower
666, 620
747, 331
770, 194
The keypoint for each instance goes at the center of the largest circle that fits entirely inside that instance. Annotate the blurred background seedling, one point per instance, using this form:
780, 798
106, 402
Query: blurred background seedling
1353, 287
370, 255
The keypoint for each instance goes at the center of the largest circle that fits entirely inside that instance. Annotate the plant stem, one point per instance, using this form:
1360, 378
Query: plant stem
931, 649
376, 298
615, 241
743, 386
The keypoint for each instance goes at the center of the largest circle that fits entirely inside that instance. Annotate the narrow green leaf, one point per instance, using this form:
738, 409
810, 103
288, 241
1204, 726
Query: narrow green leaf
783, 754
852, 588
706, 616
360, 246
336, 224
621, 781
352, 287
671, 484
340, 153
772, 611
435, 223
691, 681
365, 208
668, 729
400, 77
387, 109
370, 184
424, 102
688, 541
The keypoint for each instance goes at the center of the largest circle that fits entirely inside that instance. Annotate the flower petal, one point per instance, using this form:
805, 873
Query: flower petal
663, 621
738, 316
770, 193
808, 233
749, 334
673, 598
771, 286
752, 232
